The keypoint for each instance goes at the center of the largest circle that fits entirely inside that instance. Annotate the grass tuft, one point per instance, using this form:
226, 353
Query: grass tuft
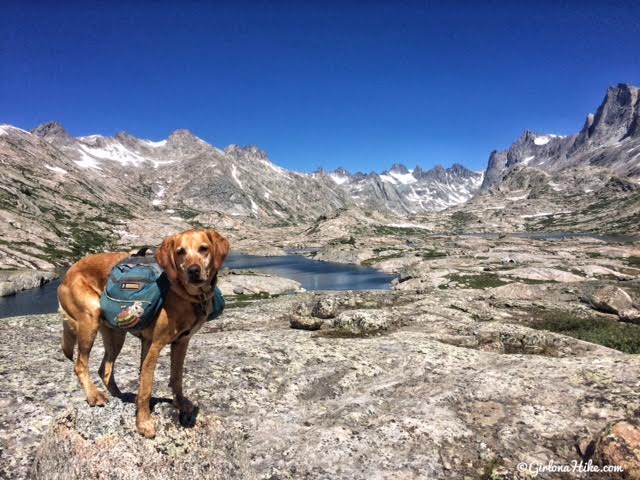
621, 336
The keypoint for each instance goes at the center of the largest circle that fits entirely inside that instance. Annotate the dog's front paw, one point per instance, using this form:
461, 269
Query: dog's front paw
97, 399
146, 428
187, 412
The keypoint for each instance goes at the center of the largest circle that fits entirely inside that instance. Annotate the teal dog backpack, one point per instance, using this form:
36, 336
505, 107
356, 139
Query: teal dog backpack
135, 293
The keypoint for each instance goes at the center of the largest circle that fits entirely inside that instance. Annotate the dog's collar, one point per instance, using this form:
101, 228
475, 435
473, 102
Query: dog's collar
200, 309
205, 299
200, 302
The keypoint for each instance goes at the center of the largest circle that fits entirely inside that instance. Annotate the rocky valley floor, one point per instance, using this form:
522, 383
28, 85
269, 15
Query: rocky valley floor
488, 352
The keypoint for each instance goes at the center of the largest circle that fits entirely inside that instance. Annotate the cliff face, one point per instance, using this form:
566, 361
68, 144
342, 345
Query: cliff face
609, 139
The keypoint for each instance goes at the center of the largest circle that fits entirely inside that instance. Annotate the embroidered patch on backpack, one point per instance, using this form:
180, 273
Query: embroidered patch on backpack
131, 316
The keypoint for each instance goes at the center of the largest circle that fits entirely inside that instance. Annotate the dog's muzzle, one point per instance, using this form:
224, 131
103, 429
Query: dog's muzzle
194, 272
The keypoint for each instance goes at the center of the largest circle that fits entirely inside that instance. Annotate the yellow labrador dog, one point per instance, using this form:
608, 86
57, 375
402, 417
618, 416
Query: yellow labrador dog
191, 260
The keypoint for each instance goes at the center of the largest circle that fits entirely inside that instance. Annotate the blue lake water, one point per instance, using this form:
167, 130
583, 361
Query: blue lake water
312, 274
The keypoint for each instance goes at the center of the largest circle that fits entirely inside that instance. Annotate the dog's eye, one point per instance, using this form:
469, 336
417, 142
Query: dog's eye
203, 249
181, 251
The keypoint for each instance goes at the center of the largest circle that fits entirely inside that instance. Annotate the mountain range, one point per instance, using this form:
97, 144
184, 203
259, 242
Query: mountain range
609, 139
62, 195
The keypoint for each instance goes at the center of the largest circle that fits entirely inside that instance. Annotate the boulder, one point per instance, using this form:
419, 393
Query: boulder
619, 444
361, 321
599, 271
305, 323
325, 307
611, 299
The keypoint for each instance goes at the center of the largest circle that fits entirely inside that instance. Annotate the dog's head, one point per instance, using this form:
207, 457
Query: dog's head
192, 258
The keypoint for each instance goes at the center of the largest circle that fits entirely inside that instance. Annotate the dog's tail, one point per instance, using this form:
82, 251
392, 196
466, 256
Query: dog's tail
68, 335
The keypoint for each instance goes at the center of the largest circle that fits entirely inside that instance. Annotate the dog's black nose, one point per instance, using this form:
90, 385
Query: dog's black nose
194, 272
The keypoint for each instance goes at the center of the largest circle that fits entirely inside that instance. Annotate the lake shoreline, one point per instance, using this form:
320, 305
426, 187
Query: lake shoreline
13, 282
242, 275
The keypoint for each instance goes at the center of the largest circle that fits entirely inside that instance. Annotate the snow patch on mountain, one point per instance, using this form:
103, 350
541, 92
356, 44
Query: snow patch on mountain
114, 152
153, 144
6, 129
272, 166
62, 171
544, 139
339, 179
234, 174
87, 161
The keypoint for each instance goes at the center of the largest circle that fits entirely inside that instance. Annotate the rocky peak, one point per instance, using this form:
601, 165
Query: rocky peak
232, 148
182, 143
459, 170
126, 139
437, 173
597, 143
256, 151
527, 137
617, 117
53, 132
182, 136
398, 168
250, 151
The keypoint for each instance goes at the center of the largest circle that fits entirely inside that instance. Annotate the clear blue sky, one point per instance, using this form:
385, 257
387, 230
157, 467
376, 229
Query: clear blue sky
360, 85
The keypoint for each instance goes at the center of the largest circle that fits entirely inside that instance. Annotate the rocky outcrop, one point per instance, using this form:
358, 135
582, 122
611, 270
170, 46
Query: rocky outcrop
616, 117
14, 281
252, 283
619, 445
435, 391
544, 274
610, 139
615, 300
359, 322
85, 443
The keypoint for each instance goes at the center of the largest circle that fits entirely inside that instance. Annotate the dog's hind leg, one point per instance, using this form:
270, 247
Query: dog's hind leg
68, 335
113, 341
145, 344
88, 322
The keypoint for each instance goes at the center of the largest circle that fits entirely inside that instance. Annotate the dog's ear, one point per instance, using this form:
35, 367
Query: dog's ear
164, 257
220, 248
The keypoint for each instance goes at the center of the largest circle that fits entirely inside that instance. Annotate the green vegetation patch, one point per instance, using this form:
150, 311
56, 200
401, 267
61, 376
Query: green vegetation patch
187, 213
371, 261
461, 219
243, 300
621, 336
634, 261
398, 231
343, 241
88, 240
431, 254
481, 280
